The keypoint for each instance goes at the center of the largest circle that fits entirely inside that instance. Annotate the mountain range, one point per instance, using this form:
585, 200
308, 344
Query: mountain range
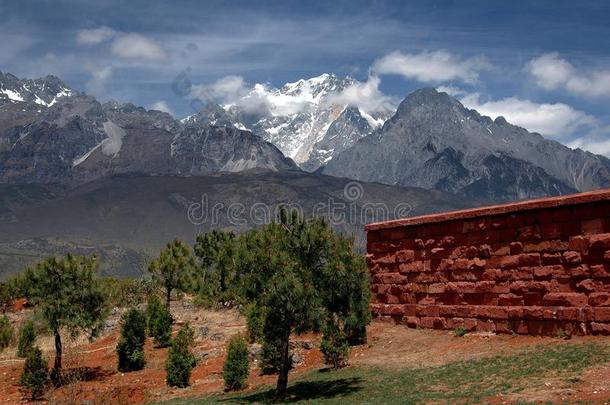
80, 175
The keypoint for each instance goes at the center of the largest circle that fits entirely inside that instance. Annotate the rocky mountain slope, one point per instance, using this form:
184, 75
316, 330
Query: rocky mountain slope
49, 133
125, 219
307, 120
434, 142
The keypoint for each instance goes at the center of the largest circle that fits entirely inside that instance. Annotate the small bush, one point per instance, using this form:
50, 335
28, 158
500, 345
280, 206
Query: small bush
153, 307
180, 360
334, 345
162, 327
255, 322
459, 331
237, 365
27, 338
6, 332
130, 347
35, 376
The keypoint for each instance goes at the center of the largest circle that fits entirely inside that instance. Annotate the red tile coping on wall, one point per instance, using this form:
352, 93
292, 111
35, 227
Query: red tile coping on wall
565, 200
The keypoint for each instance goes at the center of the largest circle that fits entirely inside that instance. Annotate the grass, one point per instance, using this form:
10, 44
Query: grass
460, 382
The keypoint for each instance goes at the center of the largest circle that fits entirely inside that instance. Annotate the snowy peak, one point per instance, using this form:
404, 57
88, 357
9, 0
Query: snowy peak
44, 91
294, 117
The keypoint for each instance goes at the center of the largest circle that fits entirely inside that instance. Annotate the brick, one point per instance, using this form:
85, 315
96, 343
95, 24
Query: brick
599, 271
522, 273
433, 323
545, 272
466, 275
572, 257
599, 299
491, 312
565, 299
578, 243
551, 258
509, 262
491, 274
501, 251
601, 314
510, 300
529, 259
516, 248
584, 314
542, 246
600, 328
592, 226
405, 256
485, 326
411, 321
600, 241
438, 253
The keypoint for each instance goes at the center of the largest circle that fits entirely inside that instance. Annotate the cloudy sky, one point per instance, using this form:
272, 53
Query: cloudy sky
543, 65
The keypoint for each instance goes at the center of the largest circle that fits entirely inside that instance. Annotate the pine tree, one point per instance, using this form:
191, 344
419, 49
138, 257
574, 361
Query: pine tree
172, 269
130, 348
27, 338
6, 332
237, 364
35, 376
216, 253
334, 345
68, 295
180, 360
162, 327
153, 308
300, 273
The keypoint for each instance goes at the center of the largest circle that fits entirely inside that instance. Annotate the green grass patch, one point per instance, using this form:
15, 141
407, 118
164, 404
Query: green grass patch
459, 382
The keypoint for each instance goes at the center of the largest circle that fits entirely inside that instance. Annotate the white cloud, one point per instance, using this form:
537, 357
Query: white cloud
551, 72
162, 106
557, 120
130, 46
95, 36
592, 144
365, 95
137, 47
452, 91
431, 67
99, 77
224, 90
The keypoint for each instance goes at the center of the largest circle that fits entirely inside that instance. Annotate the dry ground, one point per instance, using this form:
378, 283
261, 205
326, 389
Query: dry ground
390, 346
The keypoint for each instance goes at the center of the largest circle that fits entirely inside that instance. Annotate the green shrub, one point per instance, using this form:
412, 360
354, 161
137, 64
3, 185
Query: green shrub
27, 338
130, 347
237, 365
270, 356
6, 332
35, 376
153, 308
334, 345
459, 331
162, 327
255, 322
180, 360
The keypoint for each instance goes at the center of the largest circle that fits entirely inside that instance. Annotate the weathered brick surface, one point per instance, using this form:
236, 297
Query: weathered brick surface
536, 267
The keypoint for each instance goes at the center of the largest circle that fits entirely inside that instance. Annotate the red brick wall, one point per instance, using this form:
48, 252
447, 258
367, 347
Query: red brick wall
539, 267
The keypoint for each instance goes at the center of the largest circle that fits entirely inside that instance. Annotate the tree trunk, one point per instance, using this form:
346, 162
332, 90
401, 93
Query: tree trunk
168, 294
282, 379
56, 372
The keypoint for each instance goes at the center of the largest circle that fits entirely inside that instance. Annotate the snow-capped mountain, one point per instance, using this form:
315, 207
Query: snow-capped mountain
52, 134
44, 91
296, 117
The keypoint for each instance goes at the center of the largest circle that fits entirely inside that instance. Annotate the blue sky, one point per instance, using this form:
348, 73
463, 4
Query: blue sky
543, 64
